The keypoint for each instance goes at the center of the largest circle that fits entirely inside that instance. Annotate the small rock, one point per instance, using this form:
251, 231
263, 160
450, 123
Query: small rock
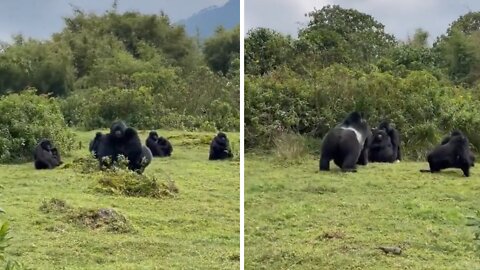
393, 250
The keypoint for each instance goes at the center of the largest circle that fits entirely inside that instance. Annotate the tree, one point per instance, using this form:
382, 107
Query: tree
337, 35
222, 48
420, 39
266, 49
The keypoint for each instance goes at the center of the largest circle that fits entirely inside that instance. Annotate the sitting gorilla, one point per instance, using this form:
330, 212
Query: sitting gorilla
347, 144
459, 133
220, 147
46, 156
159, 146
394, 137
454, 153
381, 148
121, 140
145, 160
93, 147
165, 146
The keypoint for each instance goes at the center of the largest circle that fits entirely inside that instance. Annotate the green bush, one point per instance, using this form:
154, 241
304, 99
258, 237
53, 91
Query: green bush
25, 118
421, 107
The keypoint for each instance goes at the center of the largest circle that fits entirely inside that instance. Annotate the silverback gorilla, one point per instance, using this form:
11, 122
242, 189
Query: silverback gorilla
381, 148
46, 156
454, 153
220, 147
346, 144
394, 137
122, 140
159, 146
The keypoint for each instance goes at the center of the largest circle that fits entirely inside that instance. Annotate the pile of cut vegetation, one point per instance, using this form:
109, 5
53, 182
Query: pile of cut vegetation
107, 219
128, 183
84, 165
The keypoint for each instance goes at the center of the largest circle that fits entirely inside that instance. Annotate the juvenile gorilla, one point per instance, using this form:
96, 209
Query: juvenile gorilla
46, 156
121, 140
159, 146
93, 147
347, 144
145, 160
456, 133
394, 137
454, 153
220, 147
381, 148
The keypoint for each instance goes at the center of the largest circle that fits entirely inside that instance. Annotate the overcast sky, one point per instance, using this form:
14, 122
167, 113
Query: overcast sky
400, 18
41, 18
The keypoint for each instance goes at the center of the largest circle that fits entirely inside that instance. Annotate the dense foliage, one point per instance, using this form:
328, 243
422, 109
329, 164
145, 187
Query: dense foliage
100, 68
25, 118
344, 61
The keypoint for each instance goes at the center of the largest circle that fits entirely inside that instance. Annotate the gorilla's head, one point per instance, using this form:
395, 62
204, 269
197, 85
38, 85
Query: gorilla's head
46, 145
162, 140
153, 134
379, 135
117, 130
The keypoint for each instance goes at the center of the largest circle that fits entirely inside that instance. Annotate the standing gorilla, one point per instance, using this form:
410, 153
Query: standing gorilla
159, 146
454, 153
46, 156
381, 148
220, 147
347, 144
459, 133
93, 147
395, 138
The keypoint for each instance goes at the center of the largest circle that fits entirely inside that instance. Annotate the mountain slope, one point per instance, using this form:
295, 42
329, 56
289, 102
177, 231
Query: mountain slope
208, 19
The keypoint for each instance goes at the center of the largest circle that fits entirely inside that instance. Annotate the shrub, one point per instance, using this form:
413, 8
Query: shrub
421, 107
25, 118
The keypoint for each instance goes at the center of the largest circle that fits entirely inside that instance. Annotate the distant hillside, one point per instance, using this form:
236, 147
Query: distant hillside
208, 19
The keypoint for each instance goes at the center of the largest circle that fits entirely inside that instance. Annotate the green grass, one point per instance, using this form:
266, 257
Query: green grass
299, 218
197, 229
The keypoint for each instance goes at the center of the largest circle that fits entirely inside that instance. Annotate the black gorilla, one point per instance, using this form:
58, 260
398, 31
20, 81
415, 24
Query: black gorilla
381, 148
121, 140
347, 144
93, 147
145, 160
46, 156
456, 133
159, 146
165, 146
394, 137
220, 147
454, 153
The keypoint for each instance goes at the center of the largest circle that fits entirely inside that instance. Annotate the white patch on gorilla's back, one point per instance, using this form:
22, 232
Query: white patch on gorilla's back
360, 138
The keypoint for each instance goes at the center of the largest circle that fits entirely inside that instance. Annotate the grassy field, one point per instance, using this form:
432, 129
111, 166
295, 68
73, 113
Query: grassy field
197, 229
299, 218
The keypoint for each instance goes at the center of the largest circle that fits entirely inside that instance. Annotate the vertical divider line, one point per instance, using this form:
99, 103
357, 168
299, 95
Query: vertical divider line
242, 134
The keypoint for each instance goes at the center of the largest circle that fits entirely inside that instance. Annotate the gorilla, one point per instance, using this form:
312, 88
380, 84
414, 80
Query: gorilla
381, 148
165, 146
459, 133
159, 146
145, 160
220, 147
121, 140
347, 144
394, 137
93, 147
454, 153
46, 156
